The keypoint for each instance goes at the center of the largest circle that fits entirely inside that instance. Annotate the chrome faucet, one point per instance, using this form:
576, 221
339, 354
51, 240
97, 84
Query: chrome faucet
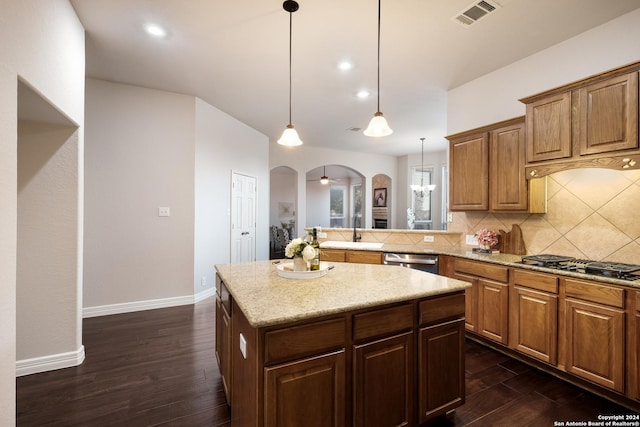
356, 236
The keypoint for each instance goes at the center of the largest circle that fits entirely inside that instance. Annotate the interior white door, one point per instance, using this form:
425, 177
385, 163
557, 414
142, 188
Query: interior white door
243, 218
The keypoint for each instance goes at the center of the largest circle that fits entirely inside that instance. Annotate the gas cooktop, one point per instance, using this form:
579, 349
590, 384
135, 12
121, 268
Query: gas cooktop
615, 270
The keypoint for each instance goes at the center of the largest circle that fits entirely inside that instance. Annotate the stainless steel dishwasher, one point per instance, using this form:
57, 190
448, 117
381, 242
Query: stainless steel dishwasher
424, 262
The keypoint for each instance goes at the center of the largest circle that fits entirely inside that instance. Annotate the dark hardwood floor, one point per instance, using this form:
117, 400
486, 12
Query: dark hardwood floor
158, 368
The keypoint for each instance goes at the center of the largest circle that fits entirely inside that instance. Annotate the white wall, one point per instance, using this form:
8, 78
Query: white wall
42, 41
305, 158
47, 274
494, 97
139, 156
222, 145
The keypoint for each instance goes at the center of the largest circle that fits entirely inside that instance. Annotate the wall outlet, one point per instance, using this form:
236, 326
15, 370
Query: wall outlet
203, 281
164, 211
449, 217
322, 235
472, 239
429, 239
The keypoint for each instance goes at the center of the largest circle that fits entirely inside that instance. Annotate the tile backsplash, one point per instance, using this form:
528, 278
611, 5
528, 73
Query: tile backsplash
591, 213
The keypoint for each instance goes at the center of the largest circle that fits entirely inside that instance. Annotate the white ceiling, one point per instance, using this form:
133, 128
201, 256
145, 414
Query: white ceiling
235, 56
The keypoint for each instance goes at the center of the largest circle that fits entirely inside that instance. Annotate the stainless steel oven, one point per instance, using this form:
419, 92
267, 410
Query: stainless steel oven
424, 262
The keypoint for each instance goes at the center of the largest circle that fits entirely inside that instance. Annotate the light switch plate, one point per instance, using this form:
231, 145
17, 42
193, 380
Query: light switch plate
164, 211
472, 239
322, 235
429, 239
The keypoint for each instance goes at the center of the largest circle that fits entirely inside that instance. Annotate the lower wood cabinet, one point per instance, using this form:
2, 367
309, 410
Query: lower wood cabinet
394, 365
383, 376
223, 338
493, 305
595, 343
637, 346
308, 392
345, 255
595, 332
487, 301
441, 369
533, 316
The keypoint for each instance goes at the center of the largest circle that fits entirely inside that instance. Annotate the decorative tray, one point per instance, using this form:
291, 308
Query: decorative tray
285, 269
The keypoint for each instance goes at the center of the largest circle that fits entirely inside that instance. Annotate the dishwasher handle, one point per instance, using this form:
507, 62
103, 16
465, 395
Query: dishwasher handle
390, 258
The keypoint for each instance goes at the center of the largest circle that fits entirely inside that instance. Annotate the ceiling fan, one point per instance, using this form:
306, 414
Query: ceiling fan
324, 179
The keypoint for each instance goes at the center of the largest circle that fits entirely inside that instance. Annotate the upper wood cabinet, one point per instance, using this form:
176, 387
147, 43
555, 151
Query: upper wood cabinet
486, 170
549, 128
607, 115
589, 123
469, 172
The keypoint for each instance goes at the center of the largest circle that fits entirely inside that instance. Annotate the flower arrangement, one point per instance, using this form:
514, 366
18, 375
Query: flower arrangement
299, 247
487, 238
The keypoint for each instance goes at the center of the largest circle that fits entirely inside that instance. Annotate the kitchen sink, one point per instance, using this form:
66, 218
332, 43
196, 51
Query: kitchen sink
351, 245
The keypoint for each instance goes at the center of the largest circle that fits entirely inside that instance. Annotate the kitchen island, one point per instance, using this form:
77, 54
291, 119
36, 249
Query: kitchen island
363, 345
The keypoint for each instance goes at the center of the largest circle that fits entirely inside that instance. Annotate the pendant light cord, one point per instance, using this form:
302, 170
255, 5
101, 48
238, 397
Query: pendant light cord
290, 44
379, 1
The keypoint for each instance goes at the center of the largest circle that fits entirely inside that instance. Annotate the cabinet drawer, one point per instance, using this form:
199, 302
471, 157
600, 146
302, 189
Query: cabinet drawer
442, 308
539, 281
304, 340
382, 322
589, 291
364, 257
482, 269
335, 255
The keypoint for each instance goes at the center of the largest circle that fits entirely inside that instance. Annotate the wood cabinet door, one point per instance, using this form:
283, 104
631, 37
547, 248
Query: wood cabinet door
493, 315
469, 173
608, 115
308, 392
508, 185
470, 301
548, 124
533, 329
595, 343
364, 257
383, 388
440, 369
223, 347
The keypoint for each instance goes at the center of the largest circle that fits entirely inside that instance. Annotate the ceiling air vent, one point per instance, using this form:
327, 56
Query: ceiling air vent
475, 11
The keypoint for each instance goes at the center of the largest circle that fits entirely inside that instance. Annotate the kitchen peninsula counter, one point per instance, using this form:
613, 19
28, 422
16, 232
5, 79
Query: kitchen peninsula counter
363, 345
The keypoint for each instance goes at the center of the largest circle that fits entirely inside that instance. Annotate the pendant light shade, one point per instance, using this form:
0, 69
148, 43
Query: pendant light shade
378, 125
290, 135
324, 179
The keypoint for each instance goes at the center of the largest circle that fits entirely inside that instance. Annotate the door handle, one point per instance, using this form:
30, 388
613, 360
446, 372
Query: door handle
244, 233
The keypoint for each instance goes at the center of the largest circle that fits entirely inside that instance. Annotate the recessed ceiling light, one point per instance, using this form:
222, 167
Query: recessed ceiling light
345, 65
363, 94
155, 30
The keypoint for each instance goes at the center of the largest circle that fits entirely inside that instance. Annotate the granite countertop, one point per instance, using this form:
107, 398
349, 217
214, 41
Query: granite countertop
508, 260
267, 299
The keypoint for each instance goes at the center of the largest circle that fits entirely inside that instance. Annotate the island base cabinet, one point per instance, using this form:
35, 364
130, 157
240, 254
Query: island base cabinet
383, 382
223, 347
441, 369
307, 392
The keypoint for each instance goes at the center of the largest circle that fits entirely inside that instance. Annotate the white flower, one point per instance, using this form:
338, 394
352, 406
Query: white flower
308, 253
295, 247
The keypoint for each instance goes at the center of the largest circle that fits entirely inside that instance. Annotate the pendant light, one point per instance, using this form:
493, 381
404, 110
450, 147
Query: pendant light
378, 125
419, 189
290, 136
324, 179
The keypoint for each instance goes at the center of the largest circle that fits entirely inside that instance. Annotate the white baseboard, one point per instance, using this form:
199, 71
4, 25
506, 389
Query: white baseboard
50, 362
128, 307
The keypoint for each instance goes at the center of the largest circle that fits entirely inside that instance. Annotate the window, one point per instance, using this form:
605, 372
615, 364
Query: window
356, 201
337, 205
421, 201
